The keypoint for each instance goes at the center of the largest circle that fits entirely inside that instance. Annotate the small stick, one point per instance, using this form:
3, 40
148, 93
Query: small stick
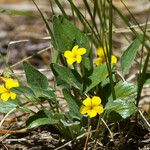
111, 134
6, 116
68, 143
144, 119
87, 138
39, 52
14, 131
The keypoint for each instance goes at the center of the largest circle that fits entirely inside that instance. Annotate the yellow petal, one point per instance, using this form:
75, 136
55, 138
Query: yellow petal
70, 61
87, 102
2, 89
96, 101
10, 83
78, 59
98, 109
113, 59
74, 49
92, 113
81, 51
100, 52
5, 96
99, 60
68, 54
84, 109
13, 95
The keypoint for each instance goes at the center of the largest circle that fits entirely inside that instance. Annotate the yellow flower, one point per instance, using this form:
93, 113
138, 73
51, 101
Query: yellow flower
74, 55
101, 57
100, 51
113, 59
100, 60
92, 106
5, 89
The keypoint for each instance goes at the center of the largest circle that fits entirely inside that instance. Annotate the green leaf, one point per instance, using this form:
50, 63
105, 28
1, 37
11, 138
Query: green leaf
48, 93
129, 55
44, 93
25, 109
34, 77
42, 121
23, 90
122, 107
70, 130
67, 75
66, 35
99, 74
74, 109
14, 105
54, 56
43, 117
7, 106
146, 80
125, 90
87, 63
16, 12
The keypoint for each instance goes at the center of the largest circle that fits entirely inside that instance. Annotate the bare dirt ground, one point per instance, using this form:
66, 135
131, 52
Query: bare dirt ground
22, 38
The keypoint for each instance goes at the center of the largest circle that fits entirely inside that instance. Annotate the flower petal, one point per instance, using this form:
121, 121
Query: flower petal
2, 89
68, 54
98, 109
78, 59
10, 83
84, 109
81, 51
5, 96
74, 49
13, 95
100, 52
99, 60
92, 113
70, 61
87, 102
96, 101
113, 59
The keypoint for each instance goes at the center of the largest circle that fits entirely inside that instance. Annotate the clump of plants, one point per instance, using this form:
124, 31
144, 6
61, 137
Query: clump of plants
99, 99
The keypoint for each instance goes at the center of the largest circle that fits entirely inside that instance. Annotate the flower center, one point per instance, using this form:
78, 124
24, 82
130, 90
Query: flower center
75, 56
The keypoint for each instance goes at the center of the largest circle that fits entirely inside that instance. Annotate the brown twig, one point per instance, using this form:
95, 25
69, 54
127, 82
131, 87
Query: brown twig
39, 52
14, 131
6, 116
87, 138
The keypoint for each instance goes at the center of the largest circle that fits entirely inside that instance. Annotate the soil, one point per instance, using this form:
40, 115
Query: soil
23, 37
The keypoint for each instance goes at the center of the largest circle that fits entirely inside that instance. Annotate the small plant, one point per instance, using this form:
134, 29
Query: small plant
96, 95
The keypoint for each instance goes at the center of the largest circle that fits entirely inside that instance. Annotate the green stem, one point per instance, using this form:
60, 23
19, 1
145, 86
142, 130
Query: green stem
61, 8
142, 75
109, 52
142, 78
92, 17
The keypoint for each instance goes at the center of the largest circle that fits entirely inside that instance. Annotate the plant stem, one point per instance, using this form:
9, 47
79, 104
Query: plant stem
88, 134
142, 75
109, 53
